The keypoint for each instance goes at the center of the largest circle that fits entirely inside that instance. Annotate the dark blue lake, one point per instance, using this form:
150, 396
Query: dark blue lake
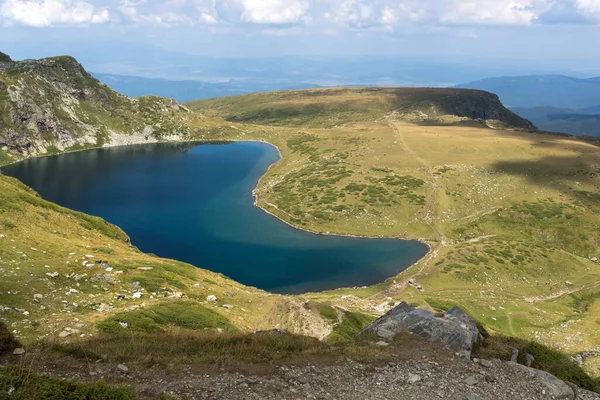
194, 203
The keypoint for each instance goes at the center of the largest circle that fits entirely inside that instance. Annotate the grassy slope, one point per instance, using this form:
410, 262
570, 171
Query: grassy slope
40, 239
512, 216
446, 185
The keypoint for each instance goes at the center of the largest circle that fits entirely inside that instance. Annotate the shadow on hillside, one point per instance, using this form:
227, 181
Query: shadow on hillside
571, 174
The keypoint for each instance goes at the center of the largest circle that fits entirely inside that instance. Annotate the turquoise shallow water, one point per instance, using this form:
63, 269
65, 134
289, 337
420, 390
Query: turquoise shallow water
194, 203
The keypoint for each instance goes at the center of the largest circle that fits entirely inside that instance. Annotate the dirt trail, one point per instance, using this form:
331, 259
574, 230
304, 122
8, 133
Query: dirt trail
561, 293
429, 218
433, 195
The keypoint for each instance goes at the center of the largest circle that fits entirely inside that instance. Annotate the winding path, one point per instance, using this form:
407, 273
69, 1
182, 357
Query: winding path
432, 197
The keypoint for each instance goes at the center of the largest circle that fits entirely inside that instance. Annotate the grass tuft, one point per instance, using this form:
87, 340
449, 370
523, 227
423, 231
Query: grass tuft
21, 384
181, 314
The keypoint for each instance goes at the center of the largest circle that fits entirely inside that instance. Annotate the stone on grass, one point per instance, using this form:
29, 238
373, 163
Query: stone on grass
211, 298
123, 368
19, 351
455, 330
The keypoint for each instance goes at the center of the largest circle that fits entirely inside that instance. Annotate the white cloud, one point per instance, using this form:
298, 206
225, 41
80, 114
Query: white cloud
388, 16
101, 17
492, 12
44, 13
590, 7
373, 14
273, 11
207, 18
312, 15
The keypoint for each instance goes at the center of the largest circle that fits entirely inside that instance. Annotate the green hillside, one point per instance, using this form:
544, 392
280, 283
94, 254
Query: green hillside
510, 215
331, 107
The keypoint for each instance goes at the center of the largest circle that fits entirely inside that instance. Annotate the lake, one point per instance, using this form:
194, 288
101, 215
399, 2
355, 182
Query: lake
193, 202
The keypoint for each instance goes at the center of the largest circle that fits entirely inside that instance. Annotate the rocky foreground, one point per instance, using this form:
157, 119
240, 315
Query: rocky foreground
427, 356
431, 378
420, 372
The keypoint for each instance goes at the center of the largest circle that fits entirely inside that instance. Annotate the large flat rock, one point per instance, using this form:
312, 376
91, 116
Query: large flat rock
454, 330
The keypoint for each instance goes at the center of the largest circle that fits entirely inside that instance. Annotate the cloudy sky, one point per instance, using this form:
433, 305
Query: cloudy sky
562, 33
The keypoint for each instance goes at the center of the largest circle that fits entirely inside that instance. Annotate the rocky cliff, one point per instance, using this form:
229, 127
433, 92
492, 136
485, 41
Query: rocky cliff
53, 104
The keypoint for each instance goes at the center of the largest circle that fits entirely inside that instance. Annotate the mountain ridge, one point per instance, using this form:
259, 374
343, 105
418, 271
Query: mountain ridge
53, 105
188, 90
541, 90
420, 105
573, 122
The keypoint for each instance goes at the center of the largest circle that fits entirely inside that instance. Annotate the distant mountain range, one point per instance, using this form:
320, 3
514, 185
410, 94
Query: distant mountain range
542, 90
562, 120
189, 90
552, 102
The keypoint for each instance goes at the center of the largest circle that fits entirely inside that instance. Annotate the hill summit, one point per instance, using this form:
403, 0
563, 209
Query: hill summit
53, 104
332, 107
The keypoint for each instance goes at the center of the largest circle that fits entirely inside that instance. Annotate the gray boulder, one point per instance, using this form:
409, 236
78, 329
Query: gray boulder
455, 330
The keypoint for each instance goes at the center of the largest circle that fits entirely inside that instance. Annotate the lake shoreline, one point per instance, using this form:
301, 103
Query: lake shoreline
257, 203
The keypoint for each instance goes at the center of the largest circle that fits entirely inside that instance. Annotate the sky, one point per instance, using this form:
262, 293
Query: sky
561, 35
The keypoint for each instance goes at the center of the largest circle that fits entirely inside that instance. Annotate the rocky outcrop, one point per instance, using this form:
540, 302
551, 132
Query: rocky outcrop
53, 104
454, 330
475, 105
